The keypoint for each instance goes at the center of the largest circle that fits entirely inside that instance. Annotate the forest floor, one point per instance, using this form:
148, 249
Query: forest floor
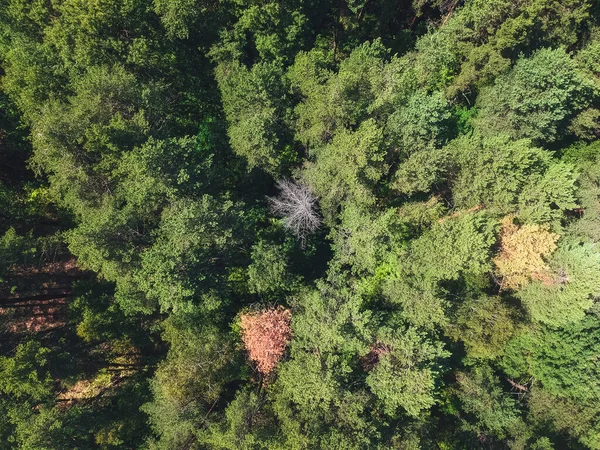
36, 298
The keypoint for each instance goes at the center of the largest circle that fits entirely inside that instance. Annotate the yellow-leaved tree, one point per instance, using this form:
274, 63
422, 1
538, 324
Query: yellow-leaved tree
523, 253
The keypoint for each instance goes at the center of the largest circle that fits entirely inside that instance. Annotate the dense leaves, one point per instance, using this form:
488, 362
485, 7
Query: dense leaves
299, 224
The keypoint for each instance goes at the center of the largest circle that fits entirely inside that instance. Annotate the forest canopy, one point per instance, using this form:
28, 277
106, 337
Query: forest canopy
304, 224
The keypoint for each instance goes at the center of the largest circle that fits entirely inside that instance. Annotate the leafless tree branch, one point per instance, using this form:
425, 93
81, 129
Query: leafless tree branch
297, 205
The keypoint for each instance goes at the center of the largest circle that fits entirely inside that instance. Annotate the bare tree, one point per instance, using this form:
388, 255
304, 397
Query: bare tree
297, 205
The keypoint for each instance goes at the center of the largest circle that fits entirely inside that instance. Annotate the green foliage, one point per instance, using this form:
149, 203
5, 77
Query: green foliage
422, 171
364, 240
572, 288
25, 375
243, 425
189, 382
77, 143
268, 272
420, 300
505, 175
38, 431
482, 39
455, 249
15, 249
334, 101
263, 32
192, 237
100, 319
313, 391
455, 246
421, 215
437, 60
406, 372
484, 325
448, 298
423, 122
562, 360
586, 125
548, 197
584, 156
417, 131
180, 17
493, 171
562, 415
346, 170
254, 110
331, 319
537, 97
464, 119
494, 411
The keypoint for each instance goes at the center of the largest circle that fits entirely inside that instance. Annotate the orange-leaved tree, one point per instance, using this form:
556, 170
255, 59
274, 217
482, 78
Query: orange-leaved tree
265, 335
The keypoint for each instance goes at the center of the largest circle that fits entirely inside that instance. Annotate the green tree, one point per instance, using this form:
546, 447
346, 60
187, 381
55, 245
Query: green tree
484, 325
189, 384
571, 289
423, 122
332, 101
405, 374
269, 272
346, 170
562, 362
493, 171
496, 414
193, 255
255, 107
537, 98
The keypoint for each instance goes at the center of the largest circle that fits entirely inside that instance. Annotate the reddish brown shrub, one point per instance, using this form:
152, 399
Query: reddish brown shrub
265, 335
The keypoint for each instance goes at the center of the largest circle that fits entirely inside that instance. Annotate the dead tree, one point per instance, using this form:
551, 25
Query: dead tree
297, 206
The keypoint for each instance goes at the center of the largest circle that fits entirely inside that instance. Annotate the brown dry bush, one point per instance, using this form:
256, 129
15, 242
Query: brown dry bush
265, 335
